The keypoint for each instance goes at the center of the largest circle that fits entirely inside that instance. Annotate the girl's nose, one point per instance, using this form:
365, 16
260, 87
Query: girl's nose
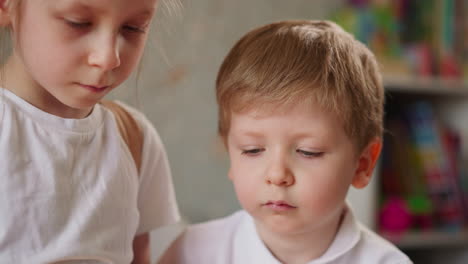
279, 173
105, 53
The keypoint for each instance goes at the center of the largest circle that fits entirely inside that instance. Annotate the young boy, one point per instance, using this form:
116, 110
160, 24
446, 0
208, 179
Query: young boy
300, 113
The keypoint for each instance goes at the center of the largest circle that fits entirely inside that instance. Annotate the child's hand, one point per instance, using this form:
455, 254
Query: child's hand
141, 249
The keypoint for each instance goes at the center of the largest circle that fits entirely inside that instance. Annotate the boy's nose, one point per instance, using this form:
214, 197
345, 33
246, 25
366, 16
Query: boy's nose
105, 54
280, 174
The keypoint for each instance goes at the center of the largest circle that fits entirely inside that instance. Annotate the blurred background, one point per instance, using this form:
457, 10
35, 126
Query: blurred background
418, 198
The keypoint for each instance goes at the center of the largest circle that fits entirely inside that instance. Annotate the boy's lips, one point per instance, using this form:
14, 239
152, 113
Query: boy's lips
278, 205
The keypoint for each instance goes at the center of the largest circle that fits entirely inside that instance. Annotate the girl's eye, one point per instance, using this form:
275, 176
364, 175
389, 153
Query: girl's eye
252, 152
78, 24
309, 154
134, 29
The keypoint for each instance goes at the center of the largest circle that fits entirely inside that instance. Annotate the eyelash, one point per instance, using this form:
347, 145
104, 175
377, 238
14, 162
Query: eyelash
252, 152
135, 29
75, 24
306, 154
83, 25
309, 154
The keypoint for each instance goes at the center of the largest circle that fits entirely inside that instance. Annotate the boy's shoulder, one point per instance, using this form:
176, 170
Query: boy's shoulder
230, 221
373, 247
217, 233
355, 243
209, 242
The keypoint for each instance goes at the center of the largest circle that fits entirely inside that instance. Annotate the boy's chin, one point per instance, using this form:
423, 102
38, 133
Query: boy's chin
284, 226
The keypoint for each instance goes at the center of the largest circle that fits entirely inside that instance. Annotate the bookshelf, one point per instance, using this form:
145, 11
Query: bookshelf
418, 186
450, 101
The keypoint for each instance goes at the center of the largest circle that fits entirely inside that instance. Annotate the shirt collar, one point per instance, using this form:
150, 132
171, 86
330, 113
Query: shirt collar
346, 238
249, 248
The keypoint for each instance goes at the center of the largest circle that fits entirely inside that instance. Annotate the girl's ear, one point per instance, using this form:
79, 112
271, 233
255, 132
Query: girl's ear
5, 17
366, 164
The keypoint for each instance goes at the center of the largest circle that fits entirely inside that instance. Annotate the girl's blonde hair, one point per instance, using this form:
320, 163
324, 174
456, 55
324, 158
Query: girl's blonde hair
5, 36
291, 62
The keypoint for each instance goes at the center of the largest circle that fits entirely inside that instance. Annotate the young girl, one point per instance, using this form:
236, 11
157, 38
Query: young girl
70, 191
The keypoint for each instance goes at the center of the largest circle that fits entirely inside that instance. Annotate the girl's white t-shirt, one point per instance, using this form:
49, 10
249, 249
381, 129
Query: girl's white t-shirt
69, 188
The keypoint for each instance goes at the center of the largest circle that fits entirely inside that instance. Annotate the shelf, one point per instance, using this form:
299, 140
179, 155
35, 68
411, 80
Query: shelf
430, 239
425, 85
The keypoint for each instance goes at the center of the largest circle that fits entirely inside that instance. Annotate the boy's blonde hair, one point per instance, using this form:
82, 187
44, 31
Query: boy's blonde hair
291, 62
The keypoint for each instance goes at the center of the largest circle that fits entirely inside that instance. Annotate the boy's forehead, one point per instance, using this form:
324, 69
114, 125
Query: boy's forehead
292, 109
259, 112
295, 121
259, 109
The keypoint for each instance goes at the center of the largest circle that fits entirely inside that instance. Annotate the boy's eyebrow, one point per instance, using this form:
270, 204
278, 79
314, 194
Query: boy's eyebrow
249, 133
302, 135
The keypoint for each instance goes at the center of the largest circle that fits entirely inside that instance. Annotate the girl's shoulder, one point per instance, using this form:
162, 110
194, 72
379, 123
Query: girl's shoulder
136, 114
2, 103
142, 139
146, 127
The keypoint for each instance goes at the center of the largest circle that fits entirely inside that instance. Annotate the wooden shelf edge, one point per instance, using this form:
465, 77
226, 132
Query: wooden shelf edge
426, 85
428, 239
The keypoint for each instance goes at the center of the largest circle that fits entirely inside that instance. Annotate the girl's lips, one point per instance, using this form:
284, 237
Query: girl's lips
96, 89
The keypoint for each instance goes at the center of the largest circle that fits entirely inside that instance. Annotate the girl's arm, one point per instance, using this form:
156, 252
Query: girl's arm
156, 197
173, 255
141, 249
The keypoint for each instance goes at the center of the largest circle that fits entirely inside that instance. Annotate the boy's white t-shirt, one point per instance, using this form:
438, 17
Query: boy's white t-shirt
69, 188
234, 240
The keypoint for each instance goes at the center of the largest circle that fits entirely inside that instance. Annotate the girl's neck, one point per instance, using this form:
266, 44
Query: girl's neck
16, 80
302, 247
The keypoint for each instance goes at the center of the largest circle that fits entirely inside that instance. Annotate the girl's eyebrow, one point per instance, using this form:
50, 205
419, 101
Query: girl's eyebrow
83, 6
147, 11
73, 5
76, 6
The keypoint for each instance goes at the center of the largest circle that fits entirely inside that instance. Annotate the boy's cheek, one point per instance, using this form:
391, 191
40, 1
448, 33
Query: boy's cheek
247, 195
245, 180
322, 201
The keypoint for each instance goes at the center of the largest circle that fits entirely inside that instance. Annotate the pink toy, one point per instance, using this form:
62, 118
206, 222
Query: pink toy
395, 216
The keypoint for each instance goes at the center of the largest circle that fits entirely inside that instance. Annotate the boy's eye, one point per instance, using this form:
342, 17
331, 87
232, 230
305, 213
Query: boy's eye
309, 154
252, 152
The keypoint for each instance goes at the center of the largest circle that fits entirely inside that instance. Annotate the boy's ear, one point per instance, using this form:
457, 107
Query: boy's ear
5, 17
366, 164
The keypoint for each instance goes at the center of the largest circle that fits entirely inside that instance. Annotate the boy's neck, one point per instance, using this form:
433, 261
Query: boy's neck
303, 247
